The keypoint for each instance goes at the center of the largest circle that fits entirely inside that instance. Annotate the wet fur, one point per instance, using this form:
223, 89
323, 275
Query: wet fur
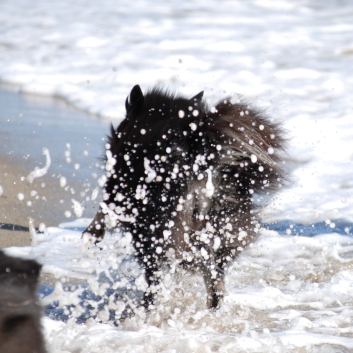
183, 187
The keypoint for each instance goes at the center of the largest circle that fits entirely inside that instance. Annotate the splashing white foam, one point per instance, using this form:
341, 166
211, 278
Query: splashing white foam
151, 174
78, 209
39, 172
209, 185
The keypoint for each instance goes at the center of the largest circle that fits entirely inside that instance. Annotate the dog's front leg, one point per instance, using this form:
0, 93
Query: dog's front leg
97, 227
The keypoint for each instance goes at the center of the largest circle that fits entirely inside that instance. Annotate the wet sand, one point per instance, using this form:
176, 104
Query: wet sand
43, 200
29, 124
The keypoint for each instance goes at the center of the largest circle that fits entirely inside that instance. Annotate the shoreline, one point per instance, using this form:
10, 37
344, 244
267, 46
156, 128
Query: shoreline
28, 126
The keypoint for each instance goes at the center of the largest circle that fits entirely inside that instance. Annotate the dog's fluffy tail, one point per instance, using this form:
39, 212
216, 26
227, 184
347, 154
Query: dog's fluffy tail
250, 147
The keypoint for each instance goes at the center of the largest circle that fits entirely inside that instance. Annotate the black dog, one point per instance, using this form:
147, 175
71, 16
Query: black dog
20, 329
181, 178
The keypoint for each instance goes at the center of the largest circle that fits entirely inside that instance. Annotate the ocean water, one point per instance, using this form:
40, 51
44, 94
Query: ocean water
292, 290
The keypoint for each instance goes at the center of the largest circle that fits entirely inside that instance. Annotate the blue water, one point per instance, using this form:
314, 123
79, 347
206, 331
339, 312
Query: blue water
309, 230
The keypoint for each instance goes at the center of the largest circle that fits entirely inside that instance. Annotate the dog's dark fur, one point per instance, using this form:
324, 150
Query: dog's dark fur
181, 178
20, 329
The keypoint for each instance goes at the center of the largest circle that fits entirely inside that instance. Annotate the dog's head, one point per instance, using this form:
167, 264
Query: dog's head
153, 114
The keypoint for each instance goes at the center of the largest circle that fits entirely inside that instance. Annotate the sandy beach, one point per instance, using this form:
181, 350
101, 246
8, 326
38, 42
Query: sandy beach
43, 200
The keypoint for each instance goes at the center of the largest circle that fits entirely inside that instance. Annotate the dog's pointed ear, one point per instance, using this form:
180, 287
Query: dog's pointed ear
127, 103
197, 98
135, 99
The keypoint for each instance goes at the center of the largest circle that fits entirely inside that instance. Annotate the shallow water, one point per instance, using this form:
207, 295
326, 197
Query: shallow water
284, 292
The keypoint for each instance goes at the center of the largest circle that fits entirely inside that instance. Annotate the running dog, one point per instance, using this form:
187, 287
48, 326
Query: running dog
181, 178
